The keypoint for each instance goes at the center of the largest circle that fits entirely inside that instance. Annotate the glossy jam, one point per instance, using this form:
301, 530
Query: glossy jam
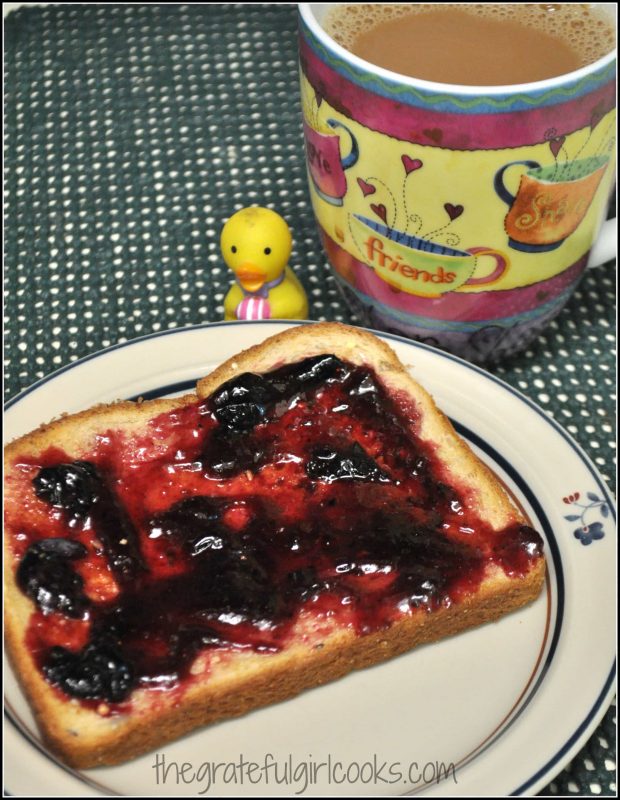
304, 493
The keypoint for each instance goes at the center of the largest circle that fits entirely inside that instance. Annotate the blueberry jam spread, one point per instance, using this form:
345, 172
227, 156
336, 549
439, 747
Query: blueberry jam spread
283, 504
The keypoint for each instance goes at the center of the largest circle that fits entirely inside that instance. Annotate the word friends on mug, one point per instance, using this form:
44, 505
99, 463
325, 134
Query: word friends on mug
394, 264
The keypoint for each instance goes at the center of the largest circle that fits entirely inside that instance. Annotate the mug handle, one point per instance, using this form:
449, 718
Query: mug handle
349, 160
498, 182
605, 247
501, 265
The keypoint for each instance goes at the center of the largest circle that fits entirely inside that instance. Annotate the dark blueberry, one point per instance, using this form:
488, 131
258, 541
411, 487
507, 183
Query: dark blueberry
307, 374
243, 402
58, 548
329, 465
74, 487
195, 522
116, 531
202, 509
240, 417
99, 672
79, 488
318, 369
46, 575
245, 388
365, 388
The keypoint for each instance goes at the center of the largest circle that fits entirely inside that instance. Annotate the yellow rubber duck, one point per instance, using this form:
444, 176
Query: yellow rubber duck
256, 244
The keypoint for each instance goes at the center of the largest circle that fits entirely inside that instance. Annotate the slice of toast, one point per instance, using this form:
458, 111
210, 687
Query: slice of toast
368, 525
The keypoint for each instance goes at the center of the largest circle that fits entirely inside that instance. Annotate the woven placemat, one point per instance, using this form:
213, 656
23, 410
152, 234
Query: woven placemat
132, 133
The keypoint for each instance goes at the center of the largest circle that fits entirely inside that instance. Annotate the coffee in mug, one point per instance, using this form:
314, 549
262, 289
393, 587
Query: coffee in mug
460, 213
474, 44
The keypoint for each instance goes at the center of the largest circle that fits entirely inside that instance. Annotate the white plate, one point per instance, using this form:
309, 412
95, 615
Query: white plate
507, 704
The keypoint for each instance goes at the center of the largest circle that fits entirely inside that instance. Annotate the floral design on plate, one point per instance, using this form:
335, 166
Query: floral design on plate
589, 529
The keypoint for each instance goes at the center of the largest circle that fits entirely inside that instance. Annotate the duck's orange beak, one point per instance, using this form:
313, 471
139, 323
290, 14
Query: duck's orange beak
250, 276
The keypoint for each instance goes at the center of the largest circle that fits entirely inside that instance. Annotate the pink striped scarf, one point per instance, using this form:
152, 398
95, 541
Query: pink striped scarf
255, 305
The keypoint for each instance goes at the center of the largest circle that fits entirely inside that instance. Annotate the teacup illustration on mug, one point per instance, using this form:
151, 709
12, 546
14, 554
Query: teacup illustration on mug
418, 266
325, 164
550, 201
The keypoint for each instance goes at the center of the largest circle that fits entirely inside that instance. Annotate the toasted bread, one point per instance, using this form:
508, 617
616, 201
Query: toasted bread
227, 679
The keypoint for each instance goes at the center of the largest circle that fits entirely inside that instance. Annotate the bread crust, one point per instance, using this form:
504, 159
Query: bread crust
246, 681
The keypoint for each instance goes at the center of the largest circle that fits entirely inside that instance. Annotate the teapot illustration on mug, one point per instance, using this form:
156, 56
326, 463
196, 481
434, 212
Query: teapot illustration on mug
550, 202
325, 164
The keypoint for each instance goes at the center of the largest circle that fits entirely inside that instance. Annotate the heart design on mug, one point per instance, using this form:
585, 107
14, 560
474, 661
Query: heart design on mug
454, 212
366, 188
597, 115
434, 134
411, 164
555, 145
380, 210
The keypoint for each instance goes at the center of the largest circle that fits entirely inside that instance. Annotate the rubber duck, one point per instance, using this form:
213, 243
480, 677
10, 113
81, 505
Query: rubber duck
256, 244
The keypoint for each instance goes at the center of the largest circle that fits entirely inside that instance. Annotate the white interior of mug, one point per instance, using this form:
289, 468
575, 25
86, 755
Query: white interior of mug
314, 14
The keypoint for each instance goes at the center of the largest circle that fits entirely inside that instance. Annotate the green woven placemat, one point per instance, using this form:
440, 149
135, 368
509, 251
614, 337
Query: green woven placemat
132, 133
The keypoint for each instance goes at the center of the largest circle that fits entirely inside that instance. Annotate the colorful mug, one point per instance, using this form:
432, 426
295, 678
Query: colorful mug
456, 215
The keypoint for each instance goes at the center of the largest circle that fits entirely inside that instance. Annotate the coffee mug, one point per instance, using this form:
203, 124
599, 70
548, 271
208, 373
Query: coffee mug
456, 215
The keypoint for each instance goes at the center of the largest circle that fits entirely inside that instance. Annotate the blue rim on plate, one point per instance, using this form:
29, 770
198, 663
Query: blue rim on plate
550, 768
